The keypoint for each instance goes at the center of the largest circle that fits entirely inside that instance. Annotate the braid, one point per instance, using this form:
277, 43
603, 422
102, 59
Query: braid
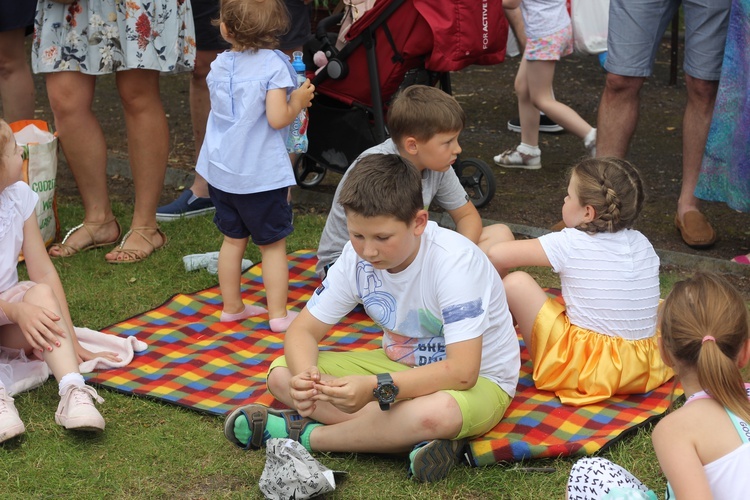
612, 202
613, 188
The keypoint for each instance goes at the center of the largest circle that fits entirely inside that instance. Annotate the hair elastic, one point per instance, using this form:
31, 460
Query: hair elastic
707, 338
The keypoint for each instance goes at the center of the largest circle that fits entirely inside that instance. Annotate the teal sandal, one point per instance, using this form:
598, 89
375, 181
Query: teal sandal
431, 461
257, 417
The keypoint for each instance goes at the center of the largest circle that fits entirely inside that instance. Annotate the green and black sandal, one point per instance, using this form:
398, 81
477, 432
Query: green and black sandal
257, 418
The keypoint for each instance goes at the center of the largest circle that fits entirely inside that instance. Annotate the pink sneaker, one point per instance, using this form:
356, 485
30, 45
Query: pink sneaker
10, 424
77, 411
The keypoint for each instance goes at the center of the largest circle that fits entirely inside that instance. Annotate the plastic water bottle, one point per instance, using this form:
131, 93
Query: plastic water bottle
297, 139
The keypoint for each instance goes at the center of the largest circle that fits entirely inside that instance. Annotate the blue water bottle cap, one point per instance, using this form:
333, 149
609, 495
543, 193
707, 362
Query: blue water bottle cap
297, 63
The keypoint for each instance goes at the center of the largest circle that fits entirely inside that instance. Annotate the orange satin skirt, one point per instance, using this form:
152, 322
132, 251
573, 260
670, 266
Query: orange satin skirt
582, 366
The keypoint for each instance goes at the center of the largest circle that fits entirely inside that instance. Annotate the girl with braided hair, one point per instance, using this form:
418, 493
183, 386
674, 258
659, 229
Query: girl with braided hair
603, 340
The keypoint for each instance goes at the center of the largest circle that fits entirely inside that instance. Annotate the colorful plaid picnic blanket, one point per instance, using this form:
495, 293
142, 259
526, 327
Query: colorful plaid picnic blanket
195, 361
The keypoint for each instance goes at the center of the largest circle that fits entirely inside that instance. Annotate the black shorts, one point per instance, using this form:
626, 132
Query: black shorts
207, 36
299, 24
15, 14
266, 217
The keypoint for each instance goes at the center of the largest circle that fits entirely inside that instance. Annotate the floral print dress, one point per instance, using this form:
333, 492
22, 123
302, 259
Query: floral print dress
98, 37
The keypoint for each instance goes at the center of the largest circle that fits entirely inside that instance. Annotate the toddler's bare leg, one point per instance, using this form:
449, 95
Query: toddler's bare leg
275, 277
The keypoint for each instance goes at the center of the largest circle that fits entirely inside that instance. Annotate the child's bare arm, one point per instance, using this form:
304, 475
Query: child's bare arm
511, 4
301, 341
280, 112
678, 457
301, 352
467, 220
510, 254
458, 371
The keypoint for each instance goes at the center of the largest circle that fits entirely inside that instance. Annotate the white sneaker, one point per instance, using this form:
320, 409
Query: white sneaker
10, 424
77, 411
513, 158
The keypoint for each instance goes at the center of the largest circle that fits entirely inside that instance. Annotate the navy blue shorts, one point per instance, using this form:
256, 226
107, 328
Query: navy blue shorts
266, 217
207, 36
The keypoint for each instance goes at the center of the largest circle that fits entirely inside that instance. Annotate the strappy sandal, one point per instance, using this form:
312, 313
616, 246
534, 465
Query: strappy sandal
136, 255
66, 250
257, 417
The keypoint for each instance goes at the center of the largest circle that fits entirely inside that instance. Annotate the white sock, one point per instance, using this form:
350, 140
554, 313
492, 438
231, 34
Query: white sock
528, 150
590, 138
72, 378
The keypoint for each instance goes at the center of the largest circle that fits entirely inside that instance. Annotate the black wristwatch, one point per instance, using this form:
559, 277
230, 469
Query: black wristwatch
386, 391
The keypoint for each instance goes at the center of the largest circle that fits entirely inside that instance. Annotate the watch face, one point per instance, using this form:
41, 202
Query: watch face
387, 393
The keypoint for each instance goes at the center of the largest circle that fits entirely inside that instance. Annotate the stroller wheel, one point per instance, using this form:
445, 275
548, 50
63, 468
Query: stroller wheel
477, 179
307, 172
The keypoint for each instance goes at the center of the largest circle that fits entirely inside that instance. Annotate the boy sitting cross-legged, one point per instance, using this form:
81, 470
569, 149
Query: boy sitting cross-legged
449, 363
424, 124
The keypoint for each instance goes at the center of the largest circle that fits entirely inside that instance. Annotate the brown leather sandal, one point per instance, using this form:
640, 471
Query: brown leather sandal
69, 251
132, 256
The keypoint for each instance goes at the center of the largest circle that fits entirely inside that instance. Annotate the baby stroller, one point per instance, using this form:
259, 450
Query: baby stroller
395, 44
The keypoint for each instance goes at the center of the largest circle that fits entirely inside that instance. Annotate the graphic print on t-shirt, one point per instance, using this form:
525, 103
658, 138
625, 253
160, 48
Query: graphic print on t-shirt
419, 340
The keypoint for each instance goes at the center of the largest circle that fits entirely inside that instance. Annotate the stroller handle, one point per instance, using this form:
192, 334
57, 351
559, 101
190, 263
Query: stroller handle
321, 33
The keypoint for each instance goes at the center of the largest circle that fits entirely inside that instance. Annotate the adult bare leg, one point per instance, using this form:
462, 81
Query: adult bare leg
618, 115
701, 95
694, 227
148, 149
71, 94
16, 84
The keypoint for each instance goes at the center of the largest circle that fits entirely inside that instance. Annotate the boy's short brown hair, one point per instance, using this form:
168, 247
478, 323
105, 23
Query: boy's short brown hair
422, 112
383, 185
254, 24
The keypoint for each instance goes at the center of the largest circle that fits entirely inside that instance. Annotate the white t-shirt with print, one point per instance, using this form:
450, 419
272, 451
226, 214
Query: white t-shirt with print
448, 294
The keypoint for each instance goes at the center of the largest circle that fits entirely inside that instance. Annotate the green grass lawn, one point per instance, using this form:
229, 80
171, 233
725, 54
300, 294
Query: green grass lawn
156, 450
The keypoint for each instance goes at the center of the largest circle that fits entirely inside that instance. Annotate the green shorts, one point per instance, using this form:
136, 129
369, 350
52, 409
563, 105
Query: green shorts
482, 406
